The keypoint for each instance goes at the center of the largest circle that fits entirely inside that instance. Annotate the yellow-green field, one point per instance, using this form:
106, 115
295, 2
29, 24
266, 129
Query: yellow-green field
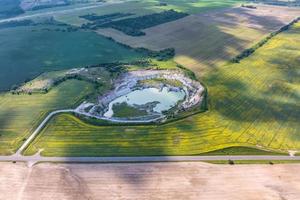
254, 103
21, 114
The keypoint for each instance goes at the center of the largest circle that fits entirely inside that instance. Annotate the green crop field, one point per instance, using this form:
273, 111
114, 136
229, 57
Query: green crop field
31, 50
21, 114
254, 103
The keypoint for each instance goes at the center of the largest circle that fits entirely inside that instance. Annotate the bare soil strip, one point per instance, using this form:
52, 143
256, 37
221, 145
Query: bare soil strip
150, 181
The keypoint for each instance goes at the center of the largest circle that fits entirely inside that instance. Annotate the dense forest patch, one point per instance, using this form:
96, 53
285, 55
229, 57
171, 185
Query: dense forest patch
132, 26
11, 24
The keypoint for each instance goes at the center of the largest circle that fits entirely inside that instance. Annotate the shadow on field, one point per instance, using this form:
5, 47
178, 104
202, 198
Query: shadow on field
237, 20
248, 103
258, 22
207, 40
4, 118
7, 135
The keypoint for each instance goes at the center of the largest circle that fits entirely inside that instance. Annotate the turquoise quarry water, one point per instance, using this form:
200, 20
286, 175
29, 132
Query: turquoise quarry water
167, 99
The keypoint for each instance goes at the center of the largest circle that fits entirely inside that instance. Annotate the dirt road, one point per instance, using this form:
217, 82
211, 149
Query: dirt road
194, 180
37, 158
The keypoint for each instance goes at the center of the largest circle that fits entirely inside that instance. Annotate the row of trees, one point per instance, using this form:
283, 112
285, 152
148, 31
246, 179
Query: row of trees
12, 24
161, 55
131, 26
248, 52
278, 2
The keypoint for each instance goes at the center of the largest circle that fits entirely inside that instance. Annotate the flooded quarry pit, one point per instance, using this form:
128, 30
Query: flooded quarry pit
146, 96
162, 99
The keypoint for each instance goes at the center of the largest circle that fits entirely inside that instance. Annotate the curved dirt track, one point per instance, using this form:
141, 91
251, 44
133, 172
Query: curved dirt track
149, 181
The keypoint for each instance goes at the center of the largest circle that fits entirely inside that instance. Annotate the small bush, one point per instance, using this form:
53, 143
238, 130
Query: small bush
230, 162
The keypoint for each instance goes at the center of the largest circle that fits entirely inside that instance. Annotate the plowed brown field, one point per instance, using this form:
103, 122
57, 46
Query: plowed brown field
199, 181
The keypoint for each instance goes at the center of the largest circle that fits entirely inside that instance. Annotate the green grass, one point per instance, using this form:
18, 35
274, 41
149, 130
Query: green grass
31, 50
100, 76
123, 110
254, 103
238, 151
43, 81
21, 114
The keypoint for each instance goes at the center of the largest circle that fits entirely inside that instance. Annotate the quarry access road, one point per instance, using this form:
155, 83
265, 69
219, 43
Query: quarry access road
31, 160
56, 12
75, 111
39, 128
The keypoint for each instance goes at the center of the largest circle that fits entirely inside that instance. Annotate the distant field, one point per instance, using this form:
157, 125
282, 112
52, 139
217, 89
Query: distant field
144, 7
31, 50
20, 114
197, 6
254, 103
207, 40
